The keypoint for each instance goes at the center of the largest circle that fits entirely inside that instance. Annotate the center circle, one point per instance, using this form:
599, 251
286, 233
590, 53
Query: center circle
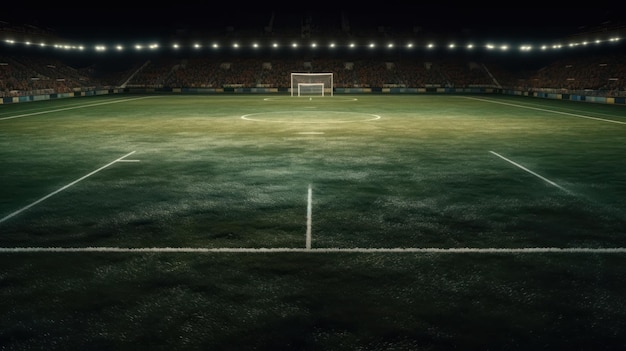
310, 117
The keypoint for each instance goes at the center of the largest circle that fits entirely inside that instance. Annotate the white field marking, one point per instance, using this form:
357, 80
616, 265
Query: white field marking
418, 250
334, 98
311, 133
531, 172
309, 218
73, 108
250, 117
63, 188
129, 161
546, 110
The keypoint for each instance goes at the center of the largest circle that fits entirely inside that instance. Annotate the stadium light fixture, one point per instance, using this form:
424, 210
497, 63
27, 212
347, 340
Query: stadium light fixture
372, 45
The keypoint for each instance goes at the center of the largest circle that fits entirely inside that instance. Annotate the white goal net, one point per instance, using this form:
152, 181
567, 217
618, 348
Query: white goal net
311, 84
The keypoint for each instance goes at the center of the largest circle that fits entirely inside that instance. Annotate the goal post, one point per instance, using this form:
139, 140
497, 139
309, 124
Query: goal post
312, 84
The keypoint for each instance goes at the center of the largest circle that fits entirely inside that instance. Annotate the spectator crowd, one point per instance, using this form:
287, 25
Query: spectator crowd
37, 74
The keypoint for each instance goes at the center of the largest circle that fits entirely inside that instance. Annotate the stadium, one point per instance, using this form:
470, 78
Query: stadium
312, 181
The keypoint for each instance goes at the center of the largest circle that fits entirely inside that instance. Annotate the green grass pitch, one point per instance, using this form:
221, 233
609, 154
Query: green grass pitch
352, 222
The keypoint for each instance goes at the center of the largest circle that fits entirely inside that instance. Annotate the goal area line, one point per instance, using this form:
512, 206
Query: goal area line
427, 250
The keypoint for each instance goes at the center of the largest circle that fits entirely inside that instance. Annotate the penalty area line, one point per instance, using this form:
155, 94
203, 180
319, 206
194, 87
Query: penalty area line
432, 250
309, 217
531, 172
73, 108
121, 159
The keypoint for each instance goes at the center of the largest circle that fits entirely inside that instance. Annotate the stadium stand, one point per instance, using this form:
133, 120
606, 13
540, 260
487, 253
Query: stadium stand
31, 72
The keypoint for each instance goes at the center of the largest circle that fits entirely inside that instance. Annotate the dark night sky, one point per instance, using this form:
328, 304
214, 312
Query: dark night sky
108, 19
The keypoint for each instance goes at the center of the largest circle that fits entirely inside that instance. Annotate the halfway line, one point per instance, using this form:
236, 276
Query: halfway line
531, 172
63, 188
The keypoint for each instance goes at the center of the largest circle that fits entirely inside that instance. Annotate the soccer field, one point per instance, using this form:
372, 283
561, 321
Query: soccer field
352, 222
